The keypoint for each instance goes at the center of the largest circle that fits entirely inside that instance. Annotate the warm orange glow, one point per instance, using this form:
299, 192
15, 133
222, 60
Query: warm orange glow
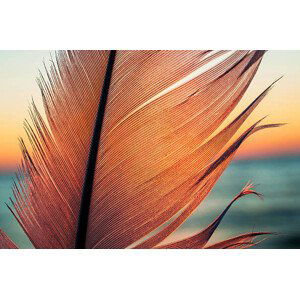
17, 85
281, 105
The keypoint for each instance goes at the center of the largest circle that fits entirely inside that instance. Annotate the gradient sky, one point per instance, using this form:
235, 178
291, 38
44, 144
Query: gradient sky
18, 70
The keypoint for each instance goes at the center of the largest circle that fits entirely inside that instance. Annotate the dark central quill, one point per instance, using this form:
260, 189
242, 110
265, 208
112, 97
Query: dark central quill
91, 164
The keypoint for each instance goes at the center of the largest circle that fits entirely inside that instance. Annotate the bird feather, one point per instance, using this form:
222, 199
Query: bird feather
157, 152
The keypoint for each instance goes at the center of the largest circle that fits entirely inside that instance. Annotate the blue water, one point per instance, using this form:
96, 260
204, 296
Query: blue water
7, 221
278, 179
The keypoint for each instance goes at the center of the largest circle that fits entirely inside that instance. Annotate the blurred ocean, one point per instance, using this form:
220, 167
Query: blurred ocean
278, 179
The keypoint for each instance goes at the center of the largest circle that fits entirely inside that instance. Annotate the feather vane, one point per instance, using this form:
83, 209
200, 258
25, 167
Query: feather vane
158, 155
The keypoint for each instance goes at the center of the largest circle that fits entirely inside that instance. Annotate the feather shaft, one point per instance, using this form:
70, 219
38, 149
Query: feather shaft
91, 164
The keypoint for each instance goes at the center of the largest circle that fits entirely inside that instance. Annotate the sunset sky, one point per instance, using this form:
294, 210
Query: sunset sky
18, 70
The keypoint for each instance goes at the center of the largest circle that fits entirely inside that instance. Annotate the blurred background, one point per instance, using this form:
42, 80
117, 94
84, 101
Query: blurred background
271, 158
279, 211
